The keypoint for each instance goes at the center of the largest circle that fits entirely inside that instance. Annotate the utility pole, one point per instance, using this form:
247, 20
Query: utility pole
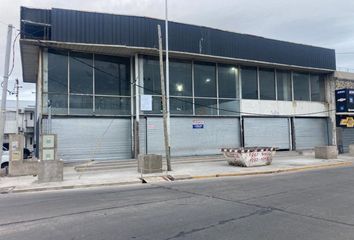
17, 87
167, 73
164, 107
4, 87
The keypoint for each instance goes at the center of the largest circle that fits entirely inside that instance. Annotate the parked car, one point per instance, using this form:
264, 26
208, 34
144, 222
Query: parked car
5, 158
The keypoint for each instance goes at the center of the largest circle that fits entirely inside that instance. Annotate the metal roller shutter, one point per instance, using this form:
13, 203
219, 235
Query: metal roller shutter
185, 140
92, 138
347, 138
310, 132
267, 132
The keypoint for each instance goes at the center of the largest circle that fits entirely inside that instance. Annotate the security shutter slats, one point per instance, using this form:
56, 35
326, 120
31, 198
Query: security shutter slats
310, 132
92, 138
267, 132
215, 134
347, 138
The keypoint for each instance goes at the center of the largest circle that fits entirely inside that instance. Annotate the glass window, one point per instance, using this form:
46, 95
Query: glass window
112, 105
227, 79
81, 73
301, 86
111, 76
180, 79
284, 85
181, 105
249, 83
229, 107
204, 80
152, 83
267, 84
81, 104
317, 88
58, 103
205, 106
57, 71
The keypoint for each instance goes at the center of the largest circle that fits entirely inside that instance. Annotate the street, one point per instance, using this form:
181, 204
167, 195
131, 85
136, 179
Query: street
305, 205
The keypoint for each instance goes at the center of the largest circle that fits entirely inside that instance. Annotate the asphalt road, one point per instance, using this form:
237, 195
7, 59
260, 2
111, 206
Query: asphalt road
307, 205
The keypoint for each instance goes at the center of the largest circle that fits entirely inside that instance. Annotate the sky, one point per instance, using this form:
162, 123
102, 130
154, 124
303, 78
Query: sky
324, 23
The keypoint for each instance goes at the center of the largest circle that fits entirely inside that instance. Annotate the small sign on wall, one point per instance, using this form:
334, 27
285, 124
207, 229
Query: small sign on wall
198, 124
146, 103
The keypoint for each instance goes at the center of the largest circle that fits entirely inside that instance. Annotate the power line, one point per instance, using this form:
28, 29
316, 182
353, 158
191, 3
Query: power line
13, 54
195, 104
177, 98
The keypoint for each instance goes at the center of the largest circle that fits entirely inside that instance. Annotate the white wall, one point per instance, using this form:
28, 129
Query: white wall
283, 108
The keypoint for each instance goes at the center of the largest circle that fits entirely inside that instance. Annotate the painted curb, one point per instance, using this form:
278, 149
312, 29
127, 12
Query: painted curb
297, 169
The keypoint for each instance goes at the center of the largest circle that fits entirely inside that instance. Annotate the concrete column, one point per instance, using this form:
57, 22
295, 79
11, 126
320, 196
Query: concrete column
331, 100
39, 102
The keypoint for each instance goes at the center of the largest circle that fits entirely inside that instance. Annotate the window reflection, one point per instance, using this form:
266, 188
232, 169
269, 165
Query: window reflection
301, 86
249, 83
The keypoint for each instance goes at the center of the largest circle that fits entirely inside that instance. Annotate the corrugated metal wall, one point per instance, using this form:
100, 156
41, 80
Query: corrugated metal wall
310, 132
36, 15
99, 28
267, 132
217, 133
347, 138
92, 138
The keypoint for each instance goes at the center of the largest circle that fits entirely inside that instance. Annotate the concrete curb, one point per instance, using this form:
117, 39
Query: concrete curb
296, 169
66, 187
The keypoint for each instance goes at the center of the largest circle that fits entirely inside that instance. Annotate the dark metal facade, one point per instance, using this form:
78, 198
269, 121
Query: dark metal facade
99, 28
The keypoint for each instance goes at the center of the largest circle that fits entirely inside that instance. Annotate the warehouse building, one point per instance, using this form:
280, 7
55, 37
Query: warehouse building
98, 87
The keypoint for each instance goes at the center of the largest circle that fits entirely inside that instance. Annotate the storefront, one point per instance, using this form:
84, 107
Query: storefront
226, 89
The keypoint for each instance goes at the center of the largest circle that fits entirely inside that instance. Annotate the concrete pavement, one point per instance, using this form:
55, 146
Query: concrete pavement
187, 169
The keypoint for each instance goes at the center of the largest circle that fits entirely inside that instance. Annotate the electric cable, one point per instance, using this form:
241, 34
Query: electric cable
42, 43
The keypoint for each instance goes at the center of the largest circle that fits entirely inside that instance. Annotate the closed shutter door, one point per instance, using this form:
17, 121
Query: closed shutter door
187, 141
92, 138
310, 132
267, 132
347, 138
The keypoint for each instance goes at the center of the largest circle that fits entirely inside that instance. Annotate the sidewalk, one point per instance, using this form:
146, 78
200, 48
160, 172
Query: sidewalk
186, 169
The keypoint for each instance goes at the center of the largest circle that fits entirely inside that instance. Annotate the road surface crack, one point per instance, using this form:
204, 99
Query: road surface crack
89, 211
222, 222
242, 202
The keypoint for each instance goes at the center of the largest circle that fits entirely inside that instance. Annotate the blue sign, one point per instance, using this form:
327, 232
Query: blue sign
196, 126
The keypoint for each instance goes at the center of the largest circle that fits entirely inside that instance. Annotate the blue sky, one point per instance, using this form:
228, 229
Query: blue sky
325, 23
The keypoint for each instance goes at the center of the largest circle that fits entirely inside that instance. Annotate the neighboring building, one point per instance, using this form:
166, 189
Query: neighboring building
345, 131
25, 121
227, 89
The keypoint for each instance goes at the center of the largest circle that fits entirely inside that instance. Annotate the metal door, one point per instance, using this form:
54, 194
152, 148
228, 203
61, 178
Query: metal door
310, 132
267, 132
347, 138
92, 138
212, 135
